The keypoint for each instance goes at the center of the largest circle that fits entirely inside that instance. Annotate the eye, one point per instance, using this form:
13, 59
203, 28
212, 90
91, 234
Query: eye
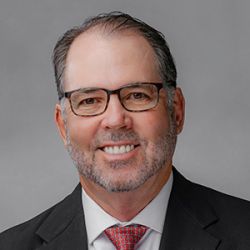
88, 101
138, 96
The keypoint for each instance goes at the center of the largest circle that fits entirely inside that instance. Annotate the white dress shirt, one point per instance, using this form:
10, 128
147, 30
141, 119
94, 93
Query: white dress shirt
152, 216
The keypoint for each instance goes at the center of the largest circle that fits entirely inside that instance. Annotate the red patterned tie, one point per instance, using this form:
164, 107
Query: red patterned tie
125, 238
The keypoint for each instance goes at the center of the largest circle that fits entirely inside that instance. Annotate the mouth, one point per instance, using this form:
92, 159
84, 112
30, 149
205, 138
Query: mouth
119, 149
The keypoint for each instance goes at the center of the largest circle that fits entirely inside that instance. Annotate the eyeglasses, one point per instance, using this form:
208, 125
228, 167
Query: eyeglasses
135, 97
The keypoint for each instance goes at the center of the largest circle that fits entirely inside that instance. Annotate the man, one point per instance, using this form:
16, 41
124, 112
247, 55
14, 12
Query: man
119, 114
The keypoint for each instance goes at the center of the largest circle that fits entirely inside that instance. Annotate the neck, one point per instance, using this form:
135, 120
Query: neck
124, 206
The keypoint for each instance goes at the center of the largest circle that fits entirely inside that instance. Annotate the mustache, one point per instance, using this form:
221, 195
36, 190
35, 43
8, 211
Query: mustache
117, 135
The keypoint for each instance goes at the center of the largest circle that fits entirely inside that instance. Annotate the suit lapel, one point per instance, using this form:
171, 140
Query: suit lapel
188, 216
65, 227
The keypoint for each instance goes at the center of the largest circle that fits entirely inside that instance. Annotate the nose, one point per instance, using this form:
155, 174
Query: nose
115, 116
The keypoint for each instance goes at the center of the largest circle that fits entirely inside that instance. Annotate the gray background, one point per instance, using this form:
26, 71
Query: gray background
210, 41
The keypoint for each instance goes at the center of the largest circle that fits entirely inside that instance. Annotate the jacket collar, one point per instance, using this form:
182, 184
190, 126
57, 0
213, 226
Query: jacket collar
188, 216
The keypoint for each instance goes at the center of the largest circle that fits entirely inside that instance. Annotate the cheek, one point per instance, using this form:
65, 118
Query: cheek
81, 132
152, 125
161, 119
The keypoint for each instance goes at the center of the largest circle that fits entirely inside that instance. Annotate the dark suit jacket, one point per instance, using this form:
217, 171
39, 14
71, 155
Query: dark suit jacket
198, 218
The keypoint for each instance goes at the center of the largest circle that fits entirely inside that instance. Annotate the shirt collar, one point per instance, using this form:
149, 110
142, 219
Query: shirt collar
152, 216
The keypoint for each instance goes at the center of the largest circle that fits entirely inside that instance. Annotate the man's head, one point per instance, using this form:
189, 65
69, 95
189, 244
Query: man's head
122, 139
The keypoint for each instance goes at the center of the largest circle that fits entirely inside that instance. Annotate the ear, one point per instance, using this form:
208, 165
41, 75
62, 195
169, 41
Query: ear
58, 116
179, 110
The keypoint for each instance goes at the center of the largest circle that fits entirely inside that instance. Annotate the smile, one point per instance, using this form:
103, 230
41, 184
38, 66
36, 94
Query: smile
122, 149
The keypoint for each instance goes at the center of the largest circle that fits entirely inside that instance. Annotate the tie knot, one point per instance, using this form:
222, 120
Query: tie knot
125, 238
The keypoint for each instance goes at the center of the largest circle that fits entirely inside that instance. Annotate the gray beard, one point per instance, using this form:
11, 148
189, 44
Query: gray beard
161, 154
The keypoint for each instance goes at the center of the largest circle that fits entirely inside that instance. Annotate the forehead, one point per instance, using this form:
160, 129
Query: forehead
110, 61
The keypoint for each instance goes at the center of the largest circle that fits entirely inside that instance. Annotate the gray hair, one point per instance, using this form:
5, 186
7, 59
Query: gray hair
117, 22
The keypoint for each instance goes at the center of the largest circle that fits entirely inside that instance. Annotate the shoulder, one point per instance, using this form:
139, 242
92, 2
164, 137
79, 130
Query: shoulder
232, 214
197, 193
225, 205
232, 210
26, 235
23, 235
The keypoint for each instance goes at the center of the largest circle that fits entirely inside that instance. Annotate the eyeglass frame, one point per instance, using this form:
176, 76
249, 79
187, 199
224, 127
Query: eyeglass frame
158, 85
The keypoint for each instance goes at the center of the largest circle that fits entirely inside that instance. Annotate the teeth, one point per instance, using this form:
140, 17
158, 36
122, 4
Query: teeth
119, 149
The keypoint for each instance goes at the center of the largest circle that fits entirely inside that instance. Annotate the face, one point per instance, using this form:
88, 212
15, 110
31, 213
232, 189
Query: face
117, 150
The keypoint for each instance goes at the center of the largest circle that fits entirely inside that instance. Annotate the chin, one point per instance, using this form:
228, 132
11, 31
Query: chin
122, 182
